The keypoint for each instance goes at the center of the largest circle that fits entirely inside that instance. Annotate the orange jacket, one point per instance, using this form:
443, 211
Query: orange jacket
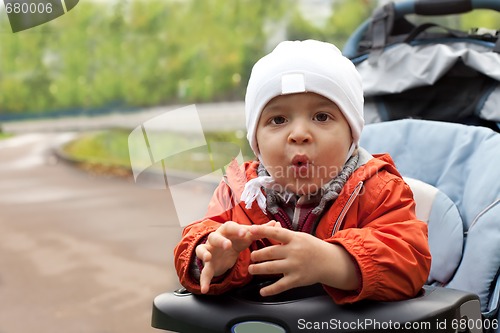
373, 219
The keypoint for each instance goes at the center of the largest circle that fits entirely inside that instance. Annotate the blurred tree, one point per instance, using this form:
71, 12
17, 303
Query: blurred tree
153, 52
347, 16
480, 19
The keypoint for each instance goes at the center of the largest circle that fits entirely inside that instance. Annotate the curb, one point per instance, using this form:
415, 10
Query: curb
176, 176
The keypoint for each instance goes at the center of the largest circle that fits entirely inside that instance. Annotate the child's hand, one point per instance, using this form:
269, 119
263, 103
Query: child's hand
221, 250
302, 259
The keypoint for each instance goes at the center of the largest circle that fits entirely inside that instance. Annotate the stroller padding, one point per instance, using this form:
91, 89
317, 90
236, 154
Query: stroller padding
445, 229
462, 162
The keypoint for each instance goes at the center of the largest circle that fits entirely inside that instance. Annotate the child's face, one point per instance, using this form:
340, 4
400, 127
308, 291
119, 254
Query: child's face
303, 140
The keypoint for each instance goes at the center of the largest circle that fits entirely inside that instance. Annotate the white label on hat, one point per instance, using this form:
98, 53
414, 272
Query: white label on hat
293, 83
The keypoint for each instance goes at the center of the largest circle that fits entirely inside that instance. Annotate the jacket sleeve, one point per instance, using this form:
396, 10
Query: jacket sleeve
220, 210
390, 246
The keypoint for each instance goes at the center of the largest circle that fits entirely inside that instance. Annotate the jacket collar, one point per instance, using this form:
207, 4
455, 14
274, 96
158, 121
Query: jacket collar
368, 166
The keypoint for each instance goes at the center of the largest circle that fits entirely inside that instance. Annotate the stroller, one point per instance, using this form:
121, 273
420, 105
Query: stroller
449, 154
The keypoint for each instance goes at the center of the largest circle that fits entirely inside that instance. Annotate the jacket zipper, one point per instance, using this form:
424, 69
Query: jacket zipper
348, 205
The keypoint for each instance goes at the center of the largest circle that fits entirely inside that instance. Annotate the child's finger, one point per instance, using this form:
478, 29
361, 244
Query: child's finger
231, 229
270, 224
215, 239
272, 267
207, 273
202, 253
273, 252
273, 223
277, 287
276, 233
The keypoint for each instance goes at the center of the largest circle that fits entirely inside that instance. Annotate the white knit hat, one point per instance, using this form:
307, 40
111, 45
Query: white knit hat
305, 66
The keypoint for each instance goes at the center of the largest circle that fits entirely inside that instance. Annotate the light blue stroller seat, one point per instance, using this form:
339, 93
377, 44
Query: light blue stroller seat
462, 165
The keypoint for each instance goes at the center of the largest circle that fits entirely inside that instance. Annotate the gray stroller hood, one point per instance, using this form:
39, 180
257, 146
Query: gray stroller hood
428, 71
402, 67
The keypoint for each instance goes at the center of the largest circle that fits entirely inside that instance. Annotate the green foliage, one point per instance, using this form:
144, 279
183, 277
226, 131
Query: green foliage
140, 53
348, 15
156, 52
480, 19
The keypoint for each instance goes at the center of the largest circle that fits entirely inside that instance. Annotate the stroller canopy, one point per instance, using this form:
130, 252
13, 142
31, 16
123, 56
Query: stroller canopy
426, 71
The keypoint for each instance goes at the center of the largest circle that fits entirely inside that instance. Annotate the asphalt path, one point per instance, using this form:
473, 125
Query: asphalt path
81, 252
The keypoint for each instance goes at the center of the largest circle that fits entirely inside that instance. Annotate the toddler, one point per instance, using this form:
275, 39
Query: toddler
314, 207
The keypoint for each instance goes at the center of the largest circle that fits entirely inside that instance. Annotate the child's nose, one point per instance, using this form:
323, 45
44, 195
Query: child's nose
300, 133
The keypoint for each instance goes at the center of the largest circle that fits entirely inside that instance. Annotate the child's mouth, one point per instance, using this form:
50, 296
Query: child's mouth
300, 166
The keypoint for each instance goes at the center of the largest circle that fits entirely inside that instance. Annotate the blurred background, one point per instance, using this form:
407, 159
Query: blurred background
83, 248
125, 54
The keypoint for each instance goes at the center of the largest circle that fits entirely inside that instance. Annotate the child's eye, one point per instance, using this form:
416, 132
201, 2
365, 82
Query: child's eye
321, 116
278, 120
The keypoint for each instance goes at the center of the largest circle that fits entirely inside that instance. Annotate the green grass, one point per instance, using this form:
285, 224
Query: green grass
111, 149
5, 135
106, 148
